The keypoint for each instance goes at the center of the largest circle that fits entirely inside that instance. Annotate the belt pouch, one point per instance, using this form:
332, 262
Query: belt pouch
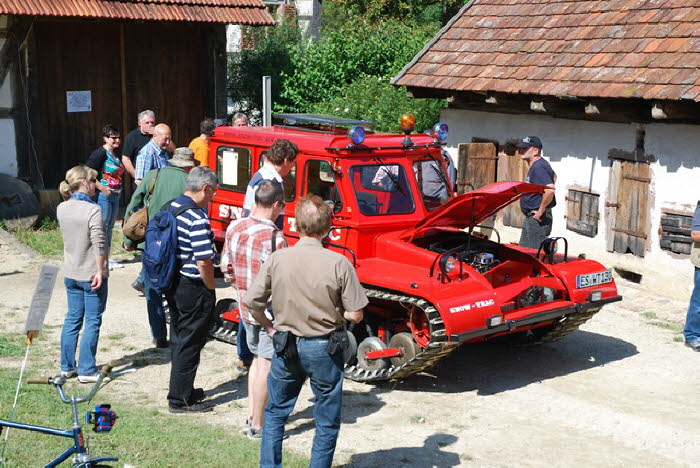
338, 341
285, 345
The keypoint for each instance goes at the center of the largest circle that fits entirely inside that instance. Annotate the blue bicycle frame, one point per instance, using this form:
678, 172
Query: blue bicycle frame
82, 458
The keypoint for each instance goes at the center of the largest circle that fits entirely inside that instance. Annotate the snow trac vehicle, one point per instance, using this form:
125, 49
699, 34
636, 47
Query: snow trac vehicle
433, 283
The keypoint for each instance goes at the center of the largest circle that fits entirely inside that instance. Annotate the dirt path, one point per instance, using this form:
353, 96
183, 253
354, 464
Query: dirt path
620, 391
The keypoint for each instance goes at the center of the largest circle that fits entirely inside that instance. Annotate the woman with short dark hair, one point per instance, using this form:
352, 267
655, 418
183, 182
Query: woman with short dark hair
110, 169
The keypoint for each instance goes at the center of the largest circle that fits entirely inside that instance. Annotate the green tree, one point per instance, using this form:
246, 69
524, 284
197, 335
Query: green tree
360, 47
375, 99
420, 10
271, 56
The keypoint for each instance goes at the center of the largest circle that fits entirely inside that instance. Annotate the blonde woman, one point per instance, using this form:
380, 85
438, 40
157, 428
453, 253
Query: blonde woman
85, 275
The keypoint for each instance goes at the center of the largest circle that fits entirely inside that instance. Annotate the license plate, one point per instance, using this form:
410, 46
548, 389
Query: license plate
593, 279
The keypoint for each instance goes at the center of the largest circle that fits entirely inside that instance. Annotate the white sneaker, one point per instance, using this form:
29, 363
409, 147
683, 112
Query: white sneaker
69, 374
91, 378
113, 265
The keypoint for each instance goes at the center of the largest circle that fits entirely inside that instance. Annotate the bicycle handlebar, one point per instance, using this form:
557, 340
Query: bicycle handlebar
39, 380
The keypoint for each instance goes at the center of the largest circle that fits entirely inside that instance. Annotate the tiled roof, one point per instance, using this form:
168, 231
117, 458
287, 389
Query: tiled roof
647, 49
248, 12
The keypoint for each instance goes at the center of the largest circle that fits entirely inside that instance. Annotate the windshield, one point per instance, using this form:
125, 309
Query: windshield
382, 189
431, 180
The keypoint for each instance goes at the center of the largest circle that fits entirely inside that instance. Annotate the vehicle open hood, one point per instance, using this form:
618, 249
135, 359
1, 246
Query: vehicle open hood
469, 209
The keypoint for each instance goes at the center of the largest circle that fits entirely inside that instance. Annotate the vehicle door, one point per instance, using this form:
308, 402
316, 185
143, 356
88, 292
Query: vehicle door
320, 179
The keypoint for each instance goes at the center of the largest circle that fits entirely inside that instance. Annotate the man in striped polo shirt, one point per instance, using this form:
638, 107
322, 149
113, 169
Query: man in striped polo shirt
193, 299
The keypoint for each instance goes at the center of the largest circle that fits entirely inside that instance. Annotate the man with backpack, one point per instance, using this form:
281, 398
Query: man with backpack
159, 187
188, 284
249, 241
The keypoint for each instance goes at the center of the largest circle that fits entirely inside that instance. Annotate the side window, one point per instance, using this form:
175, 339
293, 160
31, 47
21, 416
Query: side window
320, 180
290, 180
233, 168
290, 184
432, 182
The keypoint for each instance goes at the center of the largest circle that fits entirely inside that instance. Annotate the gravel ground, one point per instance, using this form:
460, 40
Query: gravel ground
622, 390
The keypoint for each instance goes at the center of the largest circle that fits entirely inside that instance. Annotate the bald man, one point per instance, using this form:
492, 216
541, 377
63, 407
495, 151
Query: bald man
154, 154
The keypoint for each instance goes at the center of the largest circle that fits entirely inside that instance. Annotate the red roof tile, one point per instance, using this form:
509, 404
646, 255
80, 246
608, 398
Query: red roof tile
248, 12
587, 48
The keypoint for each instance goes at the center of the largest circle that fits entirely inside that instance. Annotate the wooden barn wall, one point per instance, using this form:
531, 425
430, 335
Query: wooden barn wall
171, 68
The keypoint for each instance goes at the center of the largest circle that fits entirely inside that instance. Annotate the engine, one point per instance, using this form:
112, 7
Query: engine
480, 254
481, 261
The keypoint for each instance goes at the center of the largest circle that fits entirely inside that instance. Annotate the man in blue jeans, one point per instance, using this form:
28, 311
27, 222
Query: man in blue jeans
310, 304
692, 320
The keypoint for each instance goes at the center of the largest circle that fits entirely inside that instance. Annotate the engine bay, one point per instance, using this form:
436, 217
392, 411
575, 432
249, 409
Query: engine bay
480, 254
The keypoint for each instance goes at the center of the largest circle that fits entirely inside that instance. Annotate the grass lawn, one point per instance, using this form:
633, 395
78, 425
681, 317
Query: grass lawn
142, 437
46, 239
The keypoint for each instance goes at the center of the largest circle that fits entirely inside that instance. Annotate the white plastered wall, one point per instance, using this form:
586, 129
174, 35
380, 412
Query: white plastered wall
578, 153
8, 149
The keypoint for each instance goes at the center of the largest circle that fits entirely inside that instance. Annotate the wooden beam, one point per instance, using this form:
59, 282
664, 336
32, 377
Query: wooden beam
567, 107
17, 32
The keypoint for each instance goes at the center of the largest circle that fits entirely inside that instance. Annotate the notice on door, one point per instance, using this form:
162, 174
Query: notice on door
229, 168
78, 101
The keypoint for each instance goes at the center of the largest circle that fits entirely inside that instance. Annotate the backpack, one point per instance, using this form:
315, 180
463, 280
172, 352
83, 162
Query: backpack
160, 261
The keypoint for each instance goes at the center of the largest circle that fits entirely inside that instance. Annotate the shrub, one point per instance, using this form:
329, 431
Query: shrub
374, 99
325, 69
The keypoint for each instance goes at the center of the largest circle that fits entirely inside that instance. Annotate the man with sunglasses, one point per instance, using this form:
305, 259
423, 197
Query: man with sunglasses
249, 241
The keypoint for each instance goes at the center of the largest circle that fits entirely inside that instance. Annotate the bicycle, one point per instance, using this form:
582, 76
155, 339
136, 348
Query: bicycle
103, 419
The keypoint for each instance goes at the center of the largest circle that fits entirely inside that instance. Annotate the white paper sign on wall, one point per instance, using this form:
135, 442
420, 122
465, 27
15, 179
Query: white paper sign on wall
78, 101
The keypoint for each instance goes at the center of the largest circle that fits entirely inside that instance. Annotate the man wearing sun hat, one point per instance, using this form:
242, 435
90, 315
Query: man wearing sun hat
536, 208
169, 183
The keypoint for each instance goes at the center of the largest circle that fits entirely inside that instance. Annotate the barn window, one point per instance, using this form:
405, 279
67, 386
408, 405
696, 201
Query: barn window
582, 212
675, 231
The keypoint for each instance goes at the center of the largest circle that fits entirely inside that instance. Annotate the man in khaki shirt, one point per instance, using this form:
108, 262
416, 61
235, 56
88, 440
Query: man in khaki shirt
314, 291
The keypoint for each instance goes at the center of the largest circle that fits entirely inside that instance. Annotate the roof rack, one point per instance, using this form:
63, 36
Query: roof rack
320, 121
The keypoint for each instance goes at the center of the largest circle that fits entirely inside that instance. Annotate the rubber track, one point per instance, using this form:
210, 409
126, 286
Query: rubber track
566, 325
437, 348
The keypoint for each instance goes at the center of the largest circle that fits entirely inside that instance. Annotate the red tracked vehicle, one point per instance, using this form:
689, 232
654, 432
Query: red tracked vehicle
433, 283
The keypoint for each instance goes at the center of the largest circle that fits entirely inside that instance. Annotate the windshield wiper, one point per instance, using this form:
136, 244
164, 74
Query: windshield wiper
391, 176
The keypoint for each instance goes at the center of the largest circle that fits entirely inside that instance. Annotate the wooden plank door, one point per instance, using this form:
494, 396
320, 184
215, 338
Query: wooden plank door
74, 56
164, 72
511, 167
627, 212
477, 166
